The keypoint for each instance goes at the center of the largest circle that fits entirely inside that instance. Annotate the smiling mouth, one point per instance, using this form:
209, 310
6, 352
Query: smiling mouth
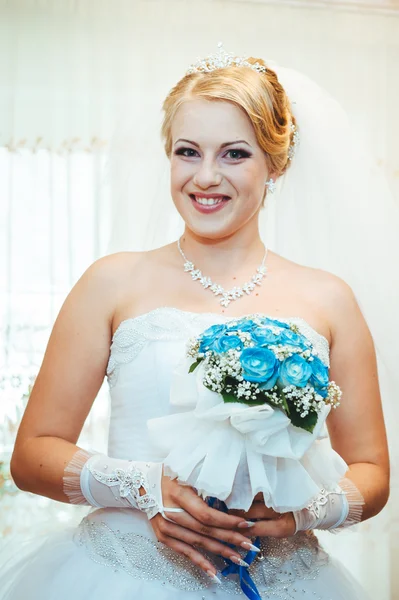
206, 201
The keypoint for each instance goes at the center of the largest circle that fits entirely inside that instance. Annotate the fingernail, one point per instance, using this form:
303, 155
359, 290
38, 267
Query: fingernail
239, 561
249, 546
245, 524
213, 577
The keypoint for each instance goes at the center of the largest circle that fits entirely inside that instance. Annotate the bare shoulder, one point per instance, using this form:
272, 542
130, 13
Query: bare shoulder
124, 278
333, 291
112, 267
97, 293
326, 285
329, 295
122, 263
334, 294
108, 275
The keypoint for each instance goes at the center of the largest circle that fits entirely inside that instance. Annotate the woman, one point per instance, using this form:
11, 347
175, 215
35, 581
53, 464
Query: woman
230, 134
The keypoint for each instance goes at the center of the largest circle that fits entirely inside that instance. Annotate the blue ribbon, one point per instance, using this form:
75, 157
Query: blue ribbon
246, 582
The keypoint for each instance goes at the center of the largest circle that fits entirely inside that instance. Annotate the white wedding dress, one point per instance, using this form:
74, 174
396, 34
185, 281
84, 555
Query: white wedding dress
113, 553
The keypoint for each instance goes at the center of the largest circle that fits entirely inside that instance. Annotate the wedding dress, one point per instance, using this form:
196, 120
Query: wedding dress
114, 553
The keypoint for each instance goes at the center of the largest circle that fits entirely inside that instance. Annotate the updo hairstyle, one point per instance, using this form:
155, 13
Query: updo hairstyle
260, 95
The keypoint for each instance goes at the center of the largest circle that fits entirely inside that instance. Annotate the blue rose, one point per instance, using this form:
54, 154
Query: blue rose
275, 323
265, 335
296, 371
227, 342
242, 325
319, 377
260, 366
209, 337
291, 338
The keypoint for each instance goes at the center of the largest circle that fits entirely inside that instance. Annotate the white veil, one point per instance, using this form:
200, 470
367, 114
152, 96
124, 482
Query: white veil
332, 209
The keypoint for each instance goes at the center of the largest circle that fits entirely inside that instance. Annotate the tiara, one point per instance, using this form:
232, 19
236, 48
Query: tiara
221, 60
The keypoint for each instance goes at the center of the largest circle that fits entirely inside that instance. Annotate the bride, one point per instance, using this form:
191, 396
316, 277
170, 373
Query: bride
230, 134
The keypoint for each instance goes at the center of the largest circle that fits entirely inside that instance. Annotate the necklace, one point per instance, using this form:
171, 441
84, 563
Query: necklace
226, 295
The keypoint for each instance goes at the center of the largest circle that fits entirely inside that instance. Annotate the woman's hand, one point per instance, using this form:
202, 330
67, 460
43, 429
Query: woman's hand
197, 525
267, 522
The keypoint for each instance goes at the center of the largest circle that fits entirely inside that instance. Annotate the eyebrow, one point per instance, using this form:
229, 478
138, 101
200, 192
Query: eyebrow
221, 145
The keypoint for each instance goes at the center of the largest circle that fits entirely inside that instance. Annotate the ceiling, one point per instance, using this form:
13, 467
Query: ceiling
379, 6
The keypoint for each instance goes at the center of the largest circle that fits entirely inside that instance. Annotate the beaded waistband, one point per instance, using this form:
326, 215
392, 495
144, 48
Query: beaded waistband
281, 564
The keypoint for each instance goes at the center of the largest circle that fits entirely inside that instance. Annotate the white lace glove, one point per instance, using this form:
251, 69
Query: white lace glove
101, 481
334, 509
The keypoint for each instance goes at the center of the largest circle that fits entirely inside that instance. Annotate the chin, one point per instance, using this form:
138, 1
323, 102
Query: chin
210, 233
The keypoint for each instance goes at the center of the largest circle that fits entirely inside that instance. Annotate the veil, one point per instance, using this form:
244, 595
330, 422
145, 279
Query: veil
332, 209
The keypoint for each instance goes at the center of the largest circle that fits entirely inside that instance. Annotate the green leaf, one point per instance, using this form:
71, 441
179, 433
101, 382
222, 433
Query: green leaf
194, 365
229, 397
307, 423
284, 404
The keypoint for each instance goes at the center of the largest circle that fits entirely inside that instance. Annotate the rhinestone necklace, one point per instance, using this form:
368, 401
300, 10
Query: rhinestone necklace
226, 295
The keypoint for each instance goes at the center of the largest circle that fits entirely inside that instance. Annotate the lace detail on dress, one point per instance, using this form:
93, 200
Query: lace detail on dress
278, 570
167, 323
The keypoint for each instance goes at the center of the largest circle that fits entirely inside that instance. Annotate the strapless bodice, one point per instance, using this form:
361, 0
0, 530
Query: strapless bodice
144, 352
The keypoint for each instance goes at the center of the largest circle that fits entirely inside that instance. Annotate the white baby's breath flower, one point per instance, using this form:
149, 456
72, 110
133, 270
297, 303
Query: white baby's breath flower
223, 373
283, 351
334, 394
193, 345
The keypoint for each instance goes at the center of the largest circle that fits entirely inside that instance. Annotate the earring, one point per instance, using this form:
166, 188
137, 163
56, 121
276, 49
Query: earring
271, 186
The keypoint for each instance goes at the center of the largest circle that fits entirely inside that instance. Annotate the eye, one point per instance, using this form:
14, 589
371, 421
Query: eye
189, 152
237, 154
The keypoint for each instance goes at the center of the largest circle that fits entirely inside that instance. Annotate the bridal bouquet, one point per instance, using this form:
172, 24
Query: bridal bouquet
265, 362
251, 397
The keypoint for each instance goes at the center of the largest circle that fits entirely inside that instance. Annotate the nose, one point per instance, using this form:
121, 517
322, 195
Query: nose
207, 175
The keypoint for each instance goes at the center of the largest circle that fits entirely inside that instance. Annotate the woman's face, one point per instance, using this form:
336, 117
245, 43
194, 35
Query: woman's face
218, 170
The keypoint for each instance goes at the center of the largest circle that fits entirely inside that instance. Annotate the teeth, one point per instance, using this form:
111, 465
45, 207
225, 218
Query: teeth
208, 201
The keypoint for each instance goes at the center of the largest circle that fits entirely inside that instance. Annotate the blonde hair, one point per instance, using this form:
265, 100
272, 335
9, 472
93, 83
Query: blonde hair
260, 95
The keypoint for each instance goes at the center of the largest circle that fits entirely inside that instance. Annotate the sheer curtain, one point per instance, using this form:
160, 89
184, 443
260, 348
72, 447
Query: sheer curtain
51, 228
73, 72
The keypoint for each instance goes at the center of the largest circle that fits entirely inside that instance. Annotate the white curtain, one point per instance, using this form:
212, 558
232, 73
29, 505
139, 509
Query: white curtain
52, 219
72, 72
69, 67
51, 228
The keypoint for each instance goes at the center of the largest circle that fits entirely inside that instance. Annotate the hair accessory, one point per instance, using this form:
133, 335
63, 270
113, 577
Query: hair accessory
271, 186
295, 142
222, 60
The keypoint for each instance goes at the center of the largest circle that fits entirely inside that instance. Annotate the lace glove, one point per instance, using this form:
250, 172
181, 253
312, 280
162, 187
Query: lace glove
101, 481
334, 509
